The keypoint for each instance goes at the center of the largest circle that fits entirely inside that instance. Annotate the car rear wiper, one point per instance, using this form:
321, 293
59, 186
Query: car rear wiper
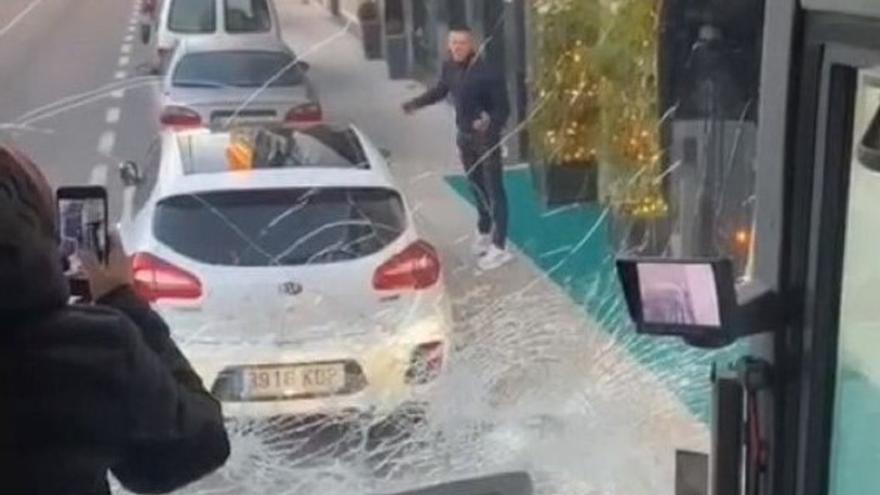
198, 83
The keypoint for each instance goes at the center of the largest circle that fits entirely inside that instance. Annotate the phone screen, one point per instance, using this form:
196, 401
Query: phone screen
82, 226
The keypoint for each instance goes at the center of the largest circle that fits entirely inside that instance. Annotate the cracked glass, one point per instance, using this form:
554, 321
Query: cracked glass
331, 283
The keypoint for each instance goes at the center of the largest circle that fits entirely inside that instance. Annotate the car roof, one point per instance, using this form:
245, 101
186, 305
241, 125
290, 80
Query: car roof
179, 177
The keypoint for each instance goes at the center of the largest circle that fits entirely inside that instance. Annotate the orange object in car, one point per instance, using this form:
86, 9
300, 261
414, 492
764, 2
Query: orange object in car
240, 156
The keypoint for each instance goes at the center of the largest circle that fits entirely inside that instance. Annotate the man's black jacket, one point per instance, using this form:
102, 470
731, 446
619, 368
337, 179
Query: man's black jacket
475, 87
87, 389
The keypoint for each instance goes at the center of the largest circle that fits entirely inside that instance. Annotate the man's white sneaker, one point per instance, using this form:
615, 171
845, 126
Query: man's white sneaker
481, 245
494, 258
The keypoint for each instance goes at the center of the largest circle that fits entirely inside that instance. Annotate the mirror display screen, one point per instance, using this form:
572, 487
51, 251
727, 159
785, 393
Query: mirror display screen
678, 294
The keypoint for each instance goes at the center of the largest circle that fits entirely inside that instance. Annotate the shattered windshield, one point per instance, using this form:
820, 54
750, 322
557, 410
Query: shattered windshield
426, 293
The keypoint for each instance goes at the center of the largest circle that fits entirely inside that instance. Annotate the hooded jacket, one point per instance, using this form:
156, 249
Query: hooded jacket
87, 389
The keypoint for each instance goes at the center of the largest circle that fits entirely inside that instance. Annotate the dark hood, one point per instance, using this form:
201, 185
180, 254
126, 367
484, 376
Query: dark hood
31, 277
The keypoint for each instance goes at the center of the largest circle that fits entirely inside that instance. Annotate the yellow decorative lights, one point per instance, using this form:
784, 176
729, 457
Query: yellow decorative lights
596, 76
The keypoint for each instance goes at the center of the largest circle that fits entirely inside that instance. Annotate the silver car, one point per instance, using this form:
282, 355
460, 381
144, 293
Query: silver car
237, 80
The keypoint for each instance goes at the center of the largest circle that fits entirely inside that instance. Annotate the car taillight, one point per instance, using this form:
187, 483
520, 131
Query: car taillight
155, 278
416, 267
310, 112
426, 363
180, 117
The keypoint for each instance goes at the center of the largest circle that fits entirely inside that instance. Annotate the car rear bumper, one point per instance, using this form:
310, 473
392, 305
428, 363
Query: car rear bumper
383, 361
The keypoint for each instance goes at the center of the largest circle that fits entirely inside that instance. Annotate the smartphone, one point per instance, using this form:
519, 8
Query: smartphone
82, 224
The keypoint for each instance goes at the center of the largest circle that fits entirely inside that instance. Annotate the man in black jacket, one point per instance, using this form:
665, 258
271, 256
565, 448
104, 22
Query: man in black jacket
87, 389
479, 94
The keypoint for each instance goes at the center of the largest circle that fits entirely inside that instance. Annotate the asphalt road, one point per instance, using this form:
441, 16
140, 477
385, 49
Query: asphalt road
66, 65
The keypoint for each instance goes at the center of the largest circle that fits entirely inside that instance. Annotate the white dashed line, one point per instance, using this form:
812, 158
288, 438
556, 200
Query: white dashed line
98, 175
128, 38
124, 60
126, 48
106, 143
131, 28
113, 115
120, 74
133, 23
118, 94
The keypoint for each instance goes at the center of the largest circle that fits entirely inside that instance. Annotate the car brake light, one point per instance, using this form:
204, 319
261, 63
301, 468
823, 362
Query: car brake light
155, 278
426, 363
180, 117
416, 267
310, 112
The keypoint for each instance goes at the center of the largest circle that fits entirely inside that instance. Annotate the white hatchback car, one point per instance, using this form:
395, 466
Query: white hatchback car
177, 20
237, 80
297, 285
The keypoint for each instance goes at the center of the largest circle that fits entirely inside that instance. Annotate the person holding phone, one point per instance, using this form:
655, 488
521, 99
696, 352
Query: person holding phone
87, 389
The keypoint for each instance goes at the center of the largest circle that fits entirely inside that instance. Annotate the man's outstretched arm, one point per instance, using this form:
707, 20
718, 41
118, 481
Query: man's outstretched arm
433, 95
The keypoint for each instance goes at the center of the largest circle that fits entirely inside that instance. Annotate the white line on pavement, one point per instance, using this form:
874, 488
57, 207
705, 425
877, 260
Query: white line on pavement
106, 143
118, 94
98, 175
131, 28
123, 60
15, 20
126, 48
120, 74
113, 115
128, 38
133, 23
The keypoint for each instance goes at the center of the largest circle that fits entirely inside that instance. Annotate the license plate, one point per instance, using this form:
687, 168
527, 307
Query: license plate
228, 121
281, 381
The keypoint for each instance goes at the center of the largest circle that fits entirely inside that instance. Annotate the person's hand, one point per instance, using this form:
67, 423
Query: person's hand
104, 279
482, 124
409, 107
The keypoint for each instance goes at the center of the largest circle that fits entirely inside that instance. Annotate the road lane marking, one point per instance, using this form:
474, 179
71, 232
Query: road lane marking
131, 28
128, 38
98, 175
124, 60
126, 48
21, 15
118, 94
106, 143
120, 74
113, 115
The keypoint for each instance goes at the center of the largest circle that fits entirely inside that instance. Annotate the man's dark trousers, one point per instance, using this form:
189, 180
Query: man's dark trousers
481, 158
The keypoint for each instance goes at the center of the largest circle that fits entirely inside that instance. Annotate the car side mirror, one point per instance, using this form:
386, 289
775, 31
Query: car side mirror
130, 174
386, 153
146, 32
303, 66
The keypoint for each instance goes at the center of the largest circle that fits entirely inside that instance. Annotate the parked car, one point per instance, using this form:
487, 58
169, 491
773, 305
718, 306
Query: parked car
237, 80
204, 19
298, 285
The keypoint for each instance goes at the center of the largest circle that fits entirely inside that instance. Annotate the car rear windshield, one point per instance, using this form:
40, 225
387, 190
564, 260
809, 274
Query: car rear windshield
243, 69
193, 16
295, 226
319, 147
247, 16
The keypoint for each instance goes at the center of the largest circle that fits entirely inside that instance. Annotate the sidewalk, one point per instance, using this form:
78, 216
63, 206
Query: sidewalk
527, 348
